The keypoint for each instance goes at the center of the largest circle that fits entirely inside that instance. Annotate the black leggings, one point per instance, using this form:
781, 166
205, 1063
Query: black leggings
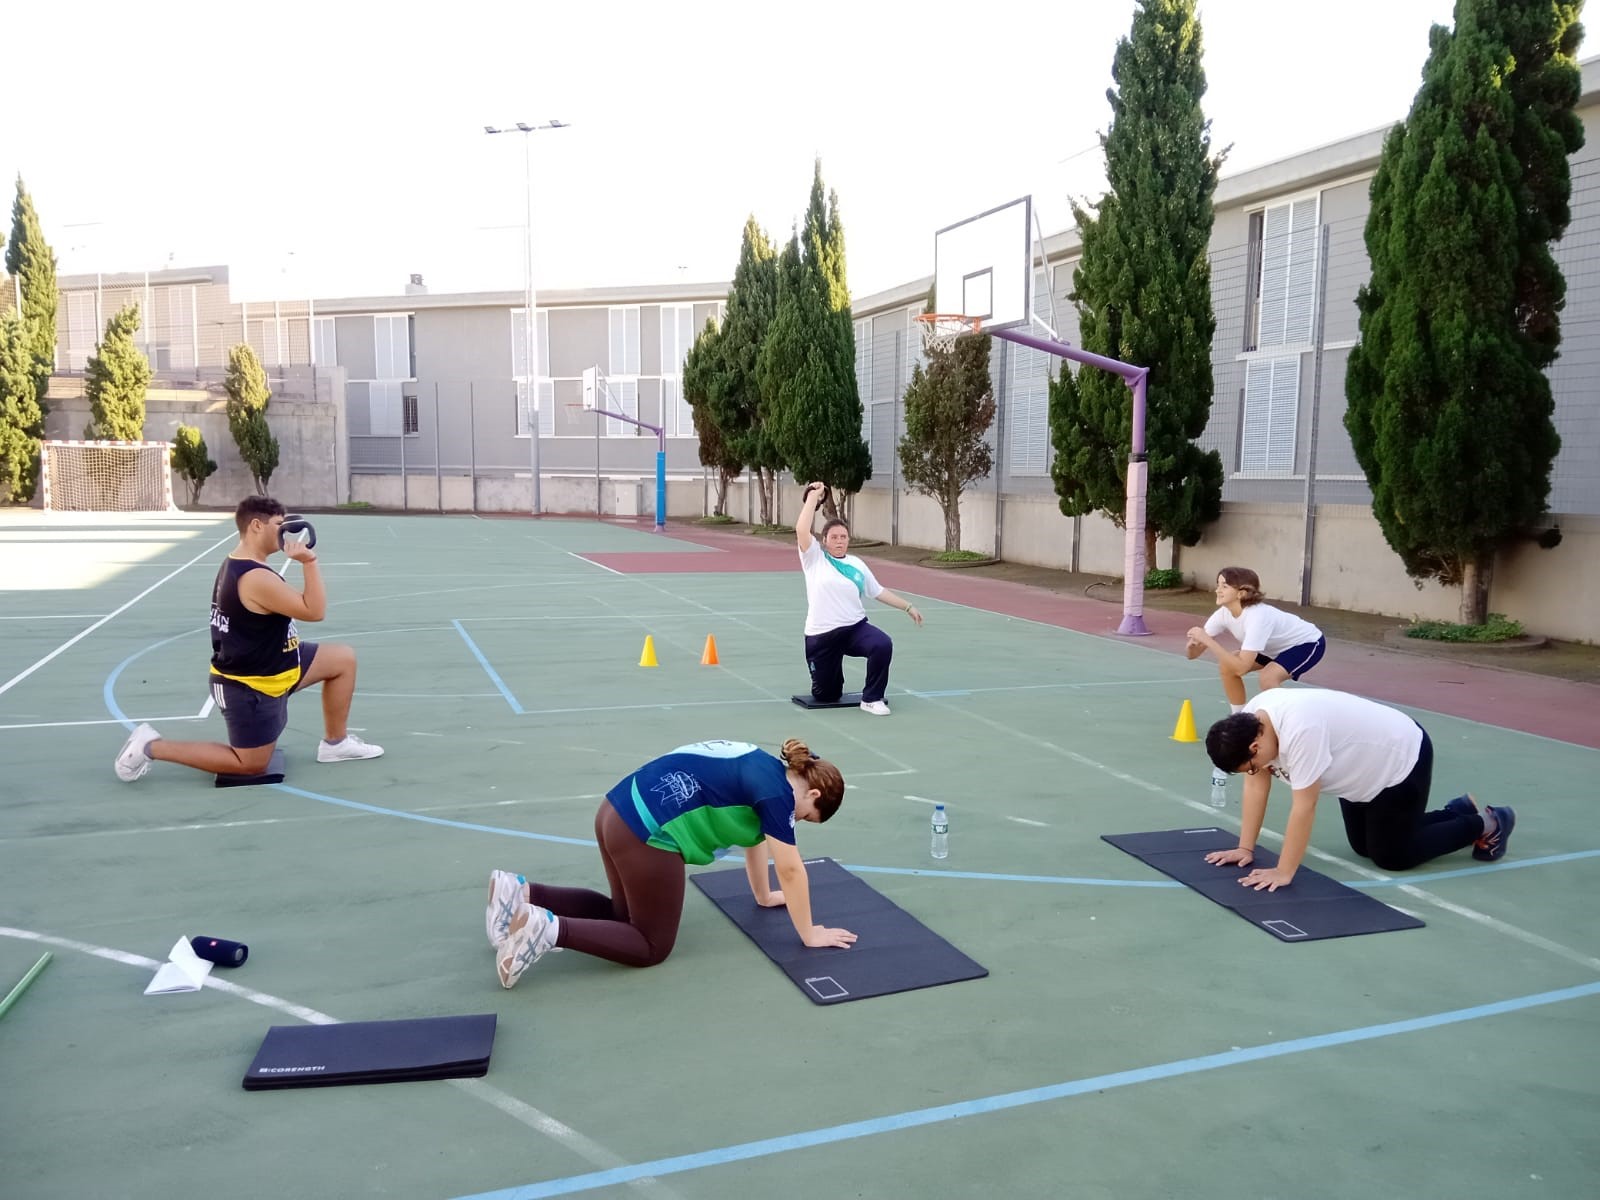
637, 925
1394, 829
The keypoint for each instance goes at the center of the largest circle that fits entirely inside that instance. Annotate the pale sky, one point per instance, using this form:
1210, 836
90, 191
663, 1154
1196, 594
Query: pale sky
331, 148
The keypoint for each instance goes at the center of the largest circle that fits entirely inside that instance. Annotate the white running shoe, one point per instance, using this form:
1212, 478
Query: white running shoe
876, 707
532, 933
132, 761
507, 894
348, 750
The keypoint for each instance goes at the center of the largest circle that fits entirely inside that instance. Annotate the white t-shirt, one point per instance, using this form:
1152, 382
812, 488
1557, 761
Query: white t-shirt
1262, 629
833, 600
1352, 747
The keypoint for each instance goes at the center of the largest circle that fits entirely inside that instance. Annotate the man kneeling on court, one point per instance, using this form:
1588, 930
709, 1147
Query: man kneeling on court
258, 660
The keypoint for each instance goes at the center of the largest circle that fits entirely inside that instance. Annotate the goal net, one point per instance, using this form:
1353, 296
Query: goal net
107, 477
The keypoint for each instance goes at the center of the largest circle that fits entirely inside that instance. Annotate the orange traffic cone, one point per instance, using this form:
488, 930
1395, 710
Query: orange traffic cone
648, 658
708, 657
1184, 731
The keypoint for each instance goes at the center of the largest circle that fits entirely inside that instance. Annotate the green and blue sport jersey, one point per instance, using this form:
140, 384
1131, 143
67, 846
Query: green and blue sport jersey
706, 797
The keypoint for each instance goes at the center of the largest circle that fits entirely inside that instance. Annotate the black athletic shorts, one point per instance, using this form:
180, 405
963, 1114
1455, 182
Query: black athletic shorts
255, 718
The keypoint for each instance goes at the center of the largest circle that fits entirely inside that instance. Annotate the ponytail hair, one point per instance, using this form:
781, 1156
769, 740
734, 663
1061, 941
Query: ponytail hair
818, 773
1246, 580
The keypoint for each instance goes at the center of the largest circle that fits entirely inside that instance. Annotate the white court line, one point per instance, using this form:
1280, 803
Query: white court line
592, 563
107, 721
56, 617
524, 1113
205, 709
1025, 821
67, 645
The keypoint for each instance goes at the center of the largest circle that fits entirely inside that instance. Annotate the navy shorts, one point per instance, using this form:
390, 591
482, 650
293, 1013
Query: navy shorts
255, 718
1297, 660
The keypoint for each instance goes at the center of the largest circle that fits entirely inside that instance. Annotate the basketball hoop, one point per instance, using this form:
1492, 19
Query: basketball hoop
940, 330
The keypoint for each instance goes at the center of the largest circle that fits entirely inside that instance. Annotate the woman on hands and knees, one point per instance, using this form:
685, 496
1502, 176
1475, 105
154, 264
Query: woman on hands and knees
680, 808
1377, 760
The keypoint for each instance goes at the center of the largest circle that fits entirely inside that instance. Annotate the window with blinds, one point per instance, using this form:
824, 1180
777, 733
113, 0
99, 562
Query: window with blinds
1280, 316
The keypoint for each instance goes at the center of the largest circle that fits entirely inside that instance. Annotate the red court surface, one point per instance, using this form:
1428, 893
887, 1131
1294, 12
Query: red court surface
1553, 708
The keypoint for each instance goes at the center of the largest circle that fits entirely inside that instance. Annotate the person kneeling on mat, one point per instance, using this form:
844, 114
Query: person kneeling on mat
836, 620
680, 808
258, 660
1377, 760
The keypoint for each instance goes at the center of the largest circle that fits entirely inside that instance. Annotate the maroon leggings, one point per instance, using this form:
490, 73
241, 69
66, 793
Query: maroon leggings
638, 924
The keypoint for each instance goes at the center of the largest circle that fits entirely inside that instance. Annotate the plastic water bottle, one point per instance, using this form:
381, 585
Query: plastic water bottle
941, 832
1219, 788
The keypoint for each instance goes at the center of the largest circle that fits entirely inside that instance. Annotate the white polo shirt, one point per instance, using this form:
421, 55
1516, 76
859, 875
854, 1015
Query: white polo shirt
1262, 629
1351, 746
833, 598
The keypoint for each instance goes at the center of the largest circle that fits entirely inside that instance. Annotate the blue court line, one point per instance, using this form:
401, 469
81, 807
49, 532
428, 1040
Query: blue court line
1007, 1100
109, 694
484, 663
999, 878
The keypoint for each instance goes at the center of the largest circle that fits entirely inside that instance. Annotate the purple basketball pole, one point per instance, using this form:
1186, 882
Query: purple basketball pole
661, 463
1133, 564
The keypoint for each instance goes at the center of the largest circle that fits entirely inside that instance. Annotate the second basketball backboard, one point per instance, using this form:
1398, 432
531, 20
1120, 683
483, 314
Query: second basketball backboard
983, 266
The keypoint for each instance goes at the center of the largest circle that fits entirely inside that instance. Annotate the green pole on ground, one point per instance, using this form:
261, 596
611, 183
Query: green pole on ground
22, 986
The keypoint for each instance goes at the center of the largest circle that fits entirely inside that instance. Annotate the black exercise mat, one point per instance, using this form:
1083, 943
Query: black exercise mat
894, 952
273, 774
1309, 909
848, 700
372, 1052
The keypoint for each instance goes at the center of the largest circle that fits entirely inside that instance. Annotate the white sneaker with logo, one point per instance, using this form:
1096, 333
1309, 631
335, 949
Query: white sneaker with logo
507, 893
132, 761
876, 707
531, 935
348, 750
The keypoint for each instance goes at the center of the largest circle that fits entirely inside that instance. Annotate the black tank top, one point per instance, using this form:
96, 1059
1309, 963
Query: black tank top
261, 650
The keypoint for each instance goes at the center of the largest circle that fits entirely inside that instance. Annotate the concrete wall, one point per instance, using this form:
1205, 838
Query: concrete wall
306, 416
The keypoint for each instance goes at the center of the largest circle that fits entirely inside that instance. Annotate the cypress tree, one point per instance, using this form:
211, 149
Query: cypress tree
31, 262
248, 397
115, 381
700, 365
19, 412
734, 396
807, 363
1448, 407
1143, 292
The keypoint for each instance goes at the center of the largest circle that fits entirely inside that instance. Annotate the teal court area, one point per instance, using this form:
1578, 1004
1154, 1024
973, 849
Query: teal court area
1130, 1040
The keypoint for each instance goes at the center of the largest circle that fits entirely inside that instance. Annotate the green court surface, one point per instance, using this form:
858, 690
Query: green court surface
1131, 1040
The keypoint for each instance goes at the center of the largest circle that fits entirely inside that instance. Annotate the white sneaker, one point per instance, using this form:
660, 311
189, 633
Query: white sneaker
348, 750
532, 933
132, 761
876, 707
507, 894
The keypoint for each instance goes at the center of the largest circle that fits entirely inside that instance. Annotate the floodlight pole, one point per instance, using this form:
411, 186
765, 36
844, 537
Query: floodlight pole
1137, 378
529, 324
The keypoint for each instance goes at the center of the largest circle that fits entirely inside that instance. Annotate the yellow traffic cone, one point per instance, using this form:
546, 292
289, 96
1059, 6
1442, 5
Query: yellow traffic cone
648, 658
1184, 731
708, 657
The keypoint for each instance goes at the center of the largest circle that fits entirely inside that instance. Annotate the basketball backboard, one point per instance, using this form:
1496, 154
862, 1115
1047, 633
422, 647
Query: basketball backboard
983, 266
591, 387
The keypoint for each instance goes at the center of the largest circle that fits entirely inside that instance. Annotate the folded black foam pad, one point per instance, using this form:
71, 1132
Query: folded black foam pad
273, 774
848, 700
894, 952
372, 1052
1309, 909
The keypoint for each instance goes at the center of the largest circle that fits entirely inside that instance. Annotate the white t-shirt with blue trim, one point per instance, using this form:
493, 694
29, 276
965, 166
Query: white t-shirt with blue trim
835, 588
